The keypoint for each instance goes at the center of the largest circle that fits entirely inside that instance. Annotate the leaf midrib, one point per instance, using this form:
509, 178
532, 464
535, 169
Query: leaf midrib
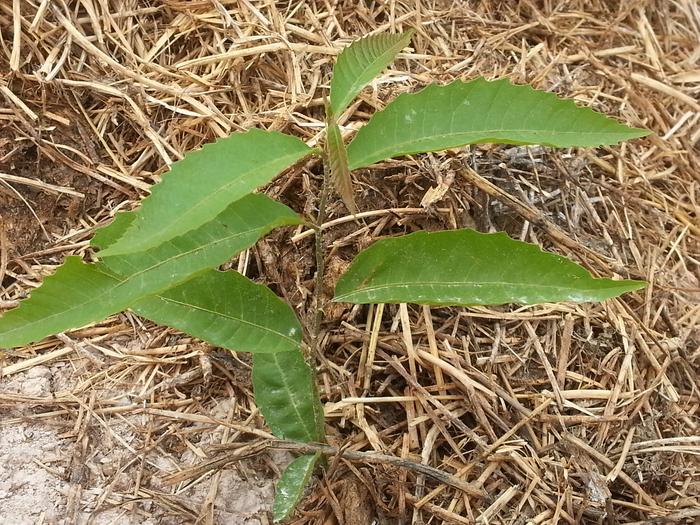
230, 317
456, 284
293, 398
200, 247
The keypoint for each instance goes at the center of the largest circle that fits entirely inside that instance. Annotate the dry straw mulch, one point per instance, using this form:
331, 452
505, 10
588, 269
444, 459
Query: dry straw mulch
550, 414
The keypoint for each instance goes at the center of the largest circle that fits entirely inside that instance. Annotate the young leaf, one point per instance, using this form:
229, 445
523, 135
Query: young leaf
226, 309
360, 62
442, 117
286, 393
78, 293
205, 183
465, 267
338, 164
290, 487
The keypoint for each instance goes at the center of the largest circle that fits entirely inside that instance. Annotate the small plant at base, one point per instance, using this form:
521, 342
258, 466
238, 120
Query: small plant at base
160, 261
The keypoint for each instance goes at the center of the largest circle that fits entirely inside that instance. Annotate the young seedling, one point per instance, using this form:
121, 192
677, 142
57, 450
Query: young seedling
160, 261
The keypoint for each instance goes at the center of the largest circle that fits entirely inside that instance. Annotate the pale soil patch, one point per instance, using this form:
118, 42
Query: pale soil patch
44, 478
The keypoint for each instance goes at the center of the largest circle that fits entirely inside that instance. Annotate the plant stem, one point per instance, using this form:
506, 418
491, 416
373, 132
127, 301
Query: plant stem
376, 458
320, 261
226, 456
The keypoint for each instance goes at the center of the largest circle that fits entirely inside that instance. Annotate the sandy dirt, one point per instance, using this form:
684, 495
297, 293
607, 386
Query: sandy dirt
43, 479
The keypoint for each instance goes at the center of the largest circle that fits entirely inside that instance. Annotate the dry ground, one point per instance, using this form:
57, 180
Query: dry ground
596, 418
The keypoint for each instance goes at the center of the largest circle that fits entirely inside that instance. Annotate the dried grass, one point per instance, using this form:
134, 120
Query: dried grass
558, 413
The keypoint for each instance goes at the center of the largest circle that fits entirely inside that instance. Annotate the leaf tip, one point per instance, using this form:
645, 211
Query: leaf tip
291, 486
638, 133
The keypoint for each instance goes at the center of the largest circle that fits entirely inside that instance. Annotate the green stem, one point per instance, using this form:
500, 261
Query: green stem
320, 262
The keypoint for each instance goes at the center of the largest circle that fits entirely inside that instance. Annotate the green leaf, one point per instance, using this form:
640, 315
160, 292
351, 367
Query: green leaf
226, 309
360, 62
79, 294
286, 393
290, 488
465, 267
205, 183
338, 164
442, 117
